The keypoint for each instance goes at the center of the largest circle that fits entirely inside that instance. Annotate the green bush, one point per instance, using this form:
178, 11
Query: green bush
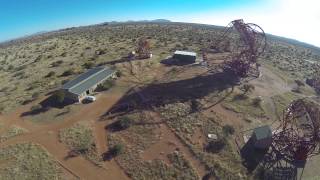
124, 122
32, 86
105, 86
37, 107
228, 130
57, 63
88, 65
296, 90
50, 74
100, 52
58, 97
256, 102
238, 97
35, 95
118, 73
247, 88
11, 67
117, 149
68, 72
299, 82
216, 146
78, 137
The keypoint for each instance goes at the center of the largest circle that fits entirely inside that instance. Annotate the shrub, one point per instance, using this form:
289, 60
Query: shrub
32, 86
78, 137
37, 107
58, 97
299, 82
88, 65
117, 150
118, 73
37, 59
100, 52
247, 88
21, 68
35, 95
195, 105
64, 54
105, 86
11, 67
50, 74
57, 63
27, 101
216, 146
68, 72
228, 130
296, 90
124, 122
257, 102
64, 81
178, 46
240, 97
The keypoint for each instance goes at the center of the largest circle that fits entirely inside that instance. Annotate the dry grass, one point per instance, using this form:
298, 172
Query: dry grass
241, 103
226, 163
71, 49
12, 132
27, 161
156, 169
282, 101
80, 138
53, 115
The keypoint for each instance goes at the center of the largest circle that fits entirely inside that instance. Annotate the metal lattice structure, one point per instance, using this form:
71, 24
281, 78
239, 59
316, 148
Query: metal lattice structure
298, 135
246, 41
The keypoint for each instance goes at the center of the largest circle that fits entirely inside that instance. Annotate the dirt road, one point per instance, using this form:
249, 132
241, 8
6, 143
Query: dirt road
47, 136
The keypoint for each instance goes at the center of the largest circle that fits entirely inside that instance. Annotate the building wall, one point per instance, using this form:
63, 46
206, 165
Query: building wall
78, 98
112, 76
262, 143
70, 96
190, 59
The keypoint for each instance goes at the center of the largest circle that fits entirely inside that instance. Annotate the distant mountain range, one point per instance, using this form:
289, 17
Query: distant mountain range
146, 21
140, 21
269, 36
294, 42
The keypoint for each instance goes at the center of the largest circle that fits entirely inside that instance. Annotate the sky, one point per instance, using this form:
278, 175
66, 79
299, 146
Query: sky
289, 18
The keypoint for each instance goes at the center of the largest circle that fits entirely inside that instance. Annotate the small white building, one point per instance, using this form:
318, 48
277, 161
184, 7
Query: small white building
262, 137
185, 57
86, 83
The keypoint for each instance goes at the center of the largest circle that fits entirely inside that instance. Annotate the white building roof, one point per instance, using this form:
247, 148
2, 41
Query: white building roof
186, 53
87, 80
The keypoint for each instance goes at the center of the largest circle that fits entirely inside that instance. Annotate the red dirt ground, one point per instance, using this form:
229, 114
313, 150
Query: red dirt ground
47, 136
169, 143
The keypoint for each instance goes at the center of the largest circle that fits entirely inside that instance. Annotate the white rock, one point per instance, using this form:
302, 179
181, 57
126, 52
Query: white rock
212, 136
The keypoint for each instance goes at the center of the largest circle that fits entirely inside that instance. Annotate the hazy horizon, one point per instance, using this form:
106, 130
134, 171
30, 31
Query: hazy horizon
287, 18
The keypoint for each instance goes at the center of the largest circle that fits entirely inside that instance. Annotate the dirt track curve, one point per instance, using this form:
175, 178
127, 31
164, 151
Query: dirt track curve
47, 136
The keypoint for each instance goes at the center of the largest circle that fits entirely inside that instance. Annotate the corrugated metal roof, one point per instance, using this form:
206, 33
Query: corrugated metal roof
263, 132
186, 53
87, 80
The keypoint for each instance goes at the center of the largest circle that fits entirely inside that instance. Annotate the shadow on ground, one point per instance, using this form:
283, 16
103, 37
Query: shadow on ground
268, 163
175, 62
122, 60
45, 105
251, 156
160, 94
